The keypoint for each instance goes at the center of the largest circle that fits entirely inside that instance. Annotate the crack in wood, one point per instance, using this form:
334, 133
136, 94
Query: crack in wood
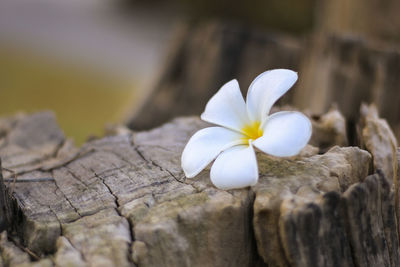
30, 180
137, 149
129, 209
130, 225
67, 199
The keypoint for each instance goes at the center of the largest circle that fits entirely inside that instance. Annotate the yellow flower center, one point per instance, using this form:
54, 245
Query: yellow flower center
252, 131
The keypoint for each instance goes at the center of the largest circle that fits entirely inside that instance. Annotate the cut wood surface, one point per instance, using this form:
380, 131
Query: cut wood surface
123, 200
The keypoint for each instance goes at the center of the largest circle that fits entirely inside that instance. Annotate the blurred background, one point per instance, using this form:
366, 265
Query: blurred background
142, 63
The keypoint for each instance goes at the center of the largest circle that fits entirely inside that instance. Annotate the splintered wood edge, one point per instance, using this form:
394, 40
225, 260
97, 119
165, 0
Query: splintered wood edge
124, 212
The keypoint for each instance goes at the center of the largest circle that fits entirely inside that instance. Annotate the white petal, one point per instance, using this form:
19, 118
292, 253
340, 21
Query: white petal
204, 146
285, 134
266, 89
236, 167
227, 107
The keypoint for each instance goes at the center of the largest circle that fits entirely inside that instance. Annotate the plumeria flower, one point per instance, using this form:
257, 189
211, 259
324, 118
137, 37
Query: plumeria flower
243, 126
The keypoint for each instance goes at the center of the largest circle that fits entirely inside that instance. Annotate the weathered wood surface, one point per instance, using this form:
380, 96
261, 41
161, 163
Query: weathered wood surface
203, 57
348, 71
123, 201
333, 69
4, 220
355, 17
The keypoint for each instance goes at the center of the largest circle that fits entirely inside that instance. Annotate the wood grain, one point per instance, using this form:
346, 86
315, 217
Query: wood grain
123, 200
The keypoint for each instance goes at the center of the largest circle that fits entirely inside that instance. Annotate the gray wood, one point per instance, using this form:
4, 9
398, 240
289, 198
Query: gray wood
3, 199
355, 16
347, 71
6, 203
123, 200
205, 56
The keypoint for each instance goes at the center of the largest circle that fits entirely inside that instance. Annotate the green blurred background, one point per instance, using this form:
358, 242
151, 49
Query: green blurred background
88, 62
94, 62
83, 99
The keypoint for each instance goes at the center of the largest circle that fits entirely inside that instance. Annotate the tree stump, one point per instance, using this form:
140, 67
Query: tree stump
205, 56
5, 208
354, 17
333, 68
348, 71
123, 200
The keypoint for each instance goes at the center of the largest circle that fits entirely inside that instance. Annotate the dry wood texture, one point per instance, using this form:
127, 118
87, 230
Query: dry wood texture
377, 20
348, 71
203, 58
123, 201
333, 69
4, 222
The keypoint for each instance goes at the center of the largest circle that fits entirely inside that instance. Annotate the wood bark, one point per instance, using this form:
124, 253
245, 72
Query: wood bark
355, 17
5, 219
203, 57
348, 71
123, 201
340, 69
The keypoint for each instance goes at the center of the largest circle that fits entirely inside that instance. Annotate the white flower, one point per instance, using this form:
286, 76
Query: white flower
245, 125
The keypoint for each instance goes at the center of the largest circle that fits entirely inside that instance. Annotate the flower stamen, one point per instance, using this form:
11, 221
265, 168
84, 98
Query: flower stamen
252, 131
